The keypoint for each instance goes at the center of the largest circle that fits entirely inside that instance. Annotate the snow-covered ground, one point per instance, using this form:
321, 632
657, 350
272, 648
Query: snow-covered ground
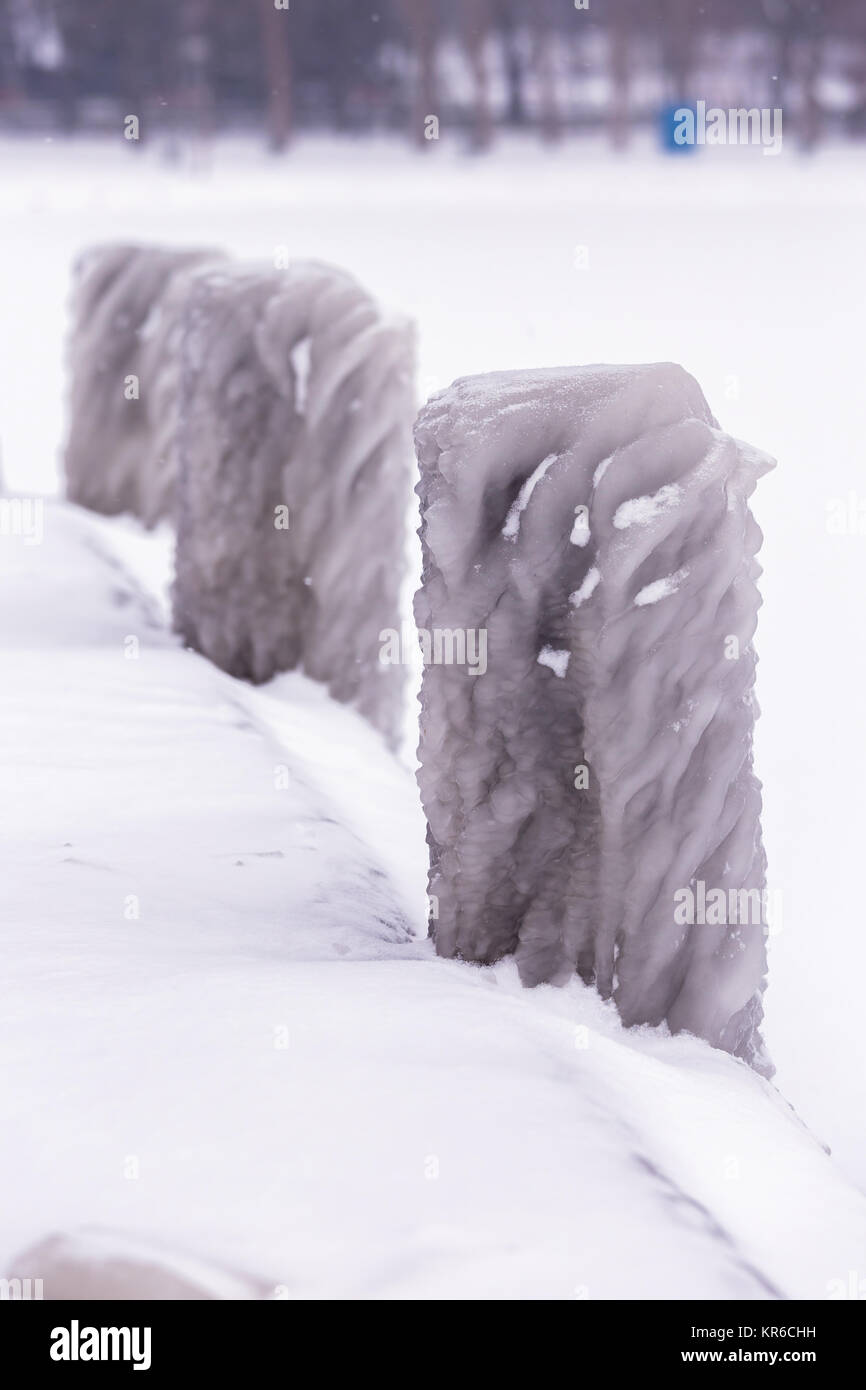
155, 1037
219, 1033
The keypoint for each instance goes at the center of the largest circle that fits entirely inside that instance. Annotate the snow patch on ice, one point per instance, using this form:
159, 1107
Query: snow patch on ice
660, 588
601, 470
511, 528
586, 589
556, 659
300, 355
640, 510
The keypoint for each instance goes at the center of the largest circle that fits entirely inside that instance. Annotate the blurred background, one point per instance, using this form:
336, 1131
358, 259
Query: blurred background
279, 67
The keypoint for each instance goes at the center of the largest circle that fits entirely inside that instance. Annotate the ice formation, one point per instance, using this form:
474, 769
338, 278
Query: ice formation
294, 455
269, 412
121, 358
596, 780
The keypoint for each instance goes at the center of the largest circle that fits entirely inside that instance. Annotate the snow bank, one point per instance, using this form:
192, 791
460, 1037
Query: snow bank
599, 768
226, 1052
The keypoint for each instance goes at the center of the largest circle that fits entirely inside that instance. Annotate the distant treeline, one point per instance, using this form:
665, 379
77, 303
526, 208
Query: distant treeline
476, 65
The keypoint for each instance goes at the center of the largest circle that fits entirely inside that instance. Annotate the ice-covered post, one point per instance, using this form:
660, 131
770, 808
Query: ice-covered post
588, 786
118, 449
294, 459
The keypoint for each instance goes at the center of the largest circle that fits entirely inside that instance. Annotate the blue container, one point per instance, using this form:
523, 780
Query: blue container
668, 125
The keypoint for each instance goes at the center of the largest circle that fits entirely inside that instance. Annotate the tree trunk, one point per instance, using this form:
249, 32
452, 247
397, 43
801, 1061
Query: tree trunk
278, 73
515, 111
618, 122
810, 121
476, 27
420, 19
550, 120
678, 47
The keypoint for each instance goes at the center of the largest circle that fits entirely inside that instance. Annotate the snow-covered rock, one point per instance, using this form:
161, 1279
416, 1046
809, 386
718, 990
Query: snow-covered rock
224, 1047
596, 776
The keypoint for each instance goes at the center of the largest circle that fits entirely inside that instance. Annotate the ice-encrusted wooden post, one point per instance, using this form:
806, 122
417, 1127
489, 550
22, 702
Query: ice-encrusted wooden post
590, 791
294, 473
118, 451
